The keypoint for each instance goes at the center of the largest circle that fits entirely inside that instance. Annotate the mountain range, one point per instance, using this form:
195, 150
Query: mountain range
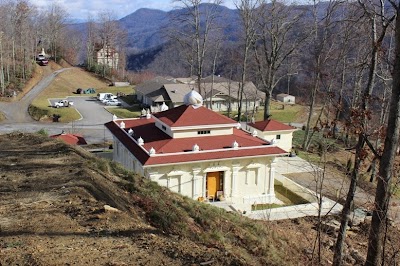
147, 28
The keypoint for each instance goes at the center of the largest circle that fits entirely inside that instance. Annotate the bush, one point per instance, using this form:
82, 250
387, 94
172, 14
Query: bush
43, 132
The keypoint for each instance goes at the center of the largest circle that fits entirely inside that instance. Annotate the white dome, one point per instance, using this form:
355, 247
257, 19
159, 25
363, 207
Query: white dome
193, 98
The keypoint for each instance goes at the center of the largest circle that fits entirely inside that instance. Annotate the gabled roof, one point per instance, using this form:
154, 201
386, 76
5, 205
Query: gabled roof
270, 125
231, 88
152, 85
72, 139
187, 115
176, 92
217, 79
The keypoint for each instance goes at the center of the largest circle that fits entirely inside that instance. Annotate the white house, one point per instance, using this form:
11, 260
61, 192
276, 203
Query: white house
198, 153
222, 95
107, 56
274, 132
286, 98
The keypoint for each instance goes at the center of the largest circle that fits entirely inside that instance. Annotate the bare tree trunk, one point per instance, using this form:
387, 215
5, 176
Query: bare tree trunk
247, 10
382, 196
360, 154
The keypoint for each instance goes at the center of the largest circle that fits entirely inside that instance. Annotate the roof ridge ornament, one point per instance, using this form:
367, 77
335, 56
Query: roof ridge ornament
196, 147
235, 145
164, 107
152, 151
122, 125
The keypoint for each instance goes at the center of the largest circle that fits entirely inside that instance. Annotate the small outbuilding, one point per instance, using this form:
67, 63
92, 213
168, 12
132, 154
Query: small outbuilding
286, 98
275, 132
72, 139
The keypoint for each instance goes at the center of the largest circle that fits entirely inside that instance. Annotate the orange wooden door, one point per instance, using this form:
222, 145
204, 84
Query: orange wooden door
213, 183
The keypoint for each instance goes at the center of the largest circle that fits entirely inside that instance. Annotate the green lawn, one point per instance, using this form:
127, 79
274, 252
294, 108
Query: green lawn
131, 112
286, 114
114, 90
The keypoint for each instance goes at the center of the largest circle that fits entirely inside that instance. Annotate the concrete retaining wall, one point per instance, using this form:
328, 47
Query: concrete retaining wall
288, 212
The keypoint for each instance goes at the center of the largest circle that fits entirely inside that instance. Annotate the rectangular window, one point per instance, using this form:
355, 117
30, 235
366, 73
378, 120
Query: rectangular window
278, 136
203, 132
164, 127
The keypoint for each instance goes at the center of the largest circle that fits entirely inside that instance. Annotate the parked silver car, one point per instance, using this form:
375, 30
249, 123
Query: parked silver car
113, 102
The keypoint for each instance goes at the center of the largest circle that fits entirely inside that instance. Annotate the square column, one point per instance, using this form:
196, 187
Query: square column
196, 183
235, 173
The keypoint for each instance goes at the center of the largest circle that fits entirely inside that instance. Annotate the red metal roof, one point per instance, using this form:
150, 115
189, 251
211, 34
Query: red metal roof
72, 139
187, 115
270, 125
169, 150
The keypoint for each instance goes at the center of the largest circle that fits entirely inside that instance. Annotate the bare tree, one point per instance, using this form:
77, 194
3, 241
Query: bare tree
111, 39
192, 27
372, 12
55, 21
277, 39
249, 16
90, 42
325, 54
375, 254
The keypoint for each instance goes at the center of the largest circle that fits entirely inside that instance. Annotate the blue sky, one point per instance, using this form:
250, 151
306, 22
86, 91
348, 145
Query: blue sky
81, 9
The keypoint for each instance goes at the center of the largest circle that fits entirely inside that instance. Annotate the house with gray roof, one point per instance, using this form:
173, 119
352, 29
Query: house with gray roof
221, 95
224, 95
150, 86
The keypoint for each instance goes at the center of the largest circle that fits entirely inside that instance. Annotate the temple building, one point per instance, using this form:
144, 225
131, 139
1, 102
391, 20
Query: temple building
198, 153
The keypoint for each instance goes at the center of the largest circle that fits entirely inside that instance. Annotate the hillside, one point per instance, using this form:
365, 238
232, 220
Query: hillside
53, 213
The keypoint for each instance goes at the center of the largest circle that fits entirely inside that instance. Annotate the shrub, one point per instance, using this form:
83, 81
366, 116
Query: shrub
43, 132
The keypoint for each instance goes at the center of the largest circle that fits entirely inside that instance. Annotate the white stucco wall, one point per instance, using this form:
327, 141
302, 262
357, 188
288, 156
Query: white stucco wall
245, 181
286, 99
285, 141
193, 133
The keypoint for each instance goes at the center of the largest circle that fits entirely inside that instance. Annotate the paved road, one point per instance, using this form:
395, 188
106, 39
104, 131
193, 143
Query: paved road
17, 112
91, 125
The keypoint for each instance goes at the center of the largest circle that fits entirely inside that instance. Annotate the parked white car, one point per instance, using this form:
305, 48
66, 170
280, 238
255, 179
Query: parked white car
63, 103
113, 102
105, 96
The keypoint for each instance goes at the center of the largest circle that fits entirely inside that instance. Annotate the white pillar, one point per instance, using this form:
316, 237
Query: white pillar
271, 189
154, 176
235, 172
195, 186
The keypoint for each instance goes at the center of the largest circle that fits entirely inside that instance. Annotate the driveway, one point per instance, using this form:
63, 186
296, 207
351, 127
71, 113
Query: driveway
17, 112
91, 125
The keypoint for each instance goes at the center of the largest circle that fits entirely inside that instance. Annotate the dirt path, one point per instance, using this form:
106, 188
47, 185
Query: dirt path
17, 112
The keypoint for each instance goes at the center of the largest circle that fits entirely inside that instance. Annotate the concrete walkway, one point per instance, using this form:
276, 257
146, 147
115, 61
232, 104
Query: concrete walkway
285, 166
